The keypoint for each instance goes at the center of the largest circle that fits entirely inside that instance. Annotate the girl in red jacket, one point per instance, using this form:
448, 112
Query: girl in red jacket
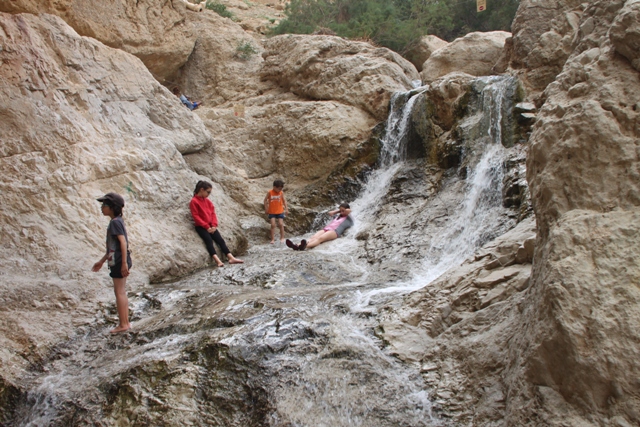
204, 216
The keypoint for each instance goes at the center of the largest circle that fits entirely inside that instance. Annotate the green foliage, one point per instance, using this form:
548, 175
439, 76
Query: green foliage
396, 24
219, 8
245, 50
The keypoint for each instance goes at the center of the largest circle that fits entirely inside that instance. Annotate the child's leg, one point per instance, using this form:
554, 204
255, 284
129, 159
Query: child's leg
315, 237
281, 225
217, 260
122, 305
207, 239
273, 229
217, 237
325, 237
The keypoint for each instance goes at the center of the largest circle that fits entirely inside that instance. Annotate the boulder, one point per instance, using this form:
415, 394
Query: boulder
625, 33
577, 331
161, 33
81, 119
475, 54
423, 50
305, 143
332, 68
224, 65
543, 33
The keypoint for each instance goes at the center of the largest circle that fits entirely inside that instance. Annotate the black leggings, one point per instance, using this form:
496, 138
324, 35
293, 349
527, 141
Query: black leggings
209, 238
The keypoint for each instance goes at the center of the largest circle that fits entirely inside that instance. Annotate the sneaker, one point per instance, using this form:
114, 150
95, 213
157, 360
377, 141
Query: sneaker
303, 245
292, 245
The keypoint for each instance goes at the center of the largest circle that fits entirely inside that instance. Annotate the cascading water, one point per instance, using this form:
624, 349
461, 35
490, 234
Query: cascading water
279, 340
477, 219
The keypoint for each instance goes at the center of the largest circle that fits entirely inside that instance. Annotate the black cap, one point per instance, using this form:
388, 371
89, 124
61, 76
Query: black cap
112, 198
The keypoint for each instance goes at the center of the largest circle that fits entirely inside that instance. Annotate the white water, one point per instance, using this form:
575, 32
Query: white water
472, 223
326, 390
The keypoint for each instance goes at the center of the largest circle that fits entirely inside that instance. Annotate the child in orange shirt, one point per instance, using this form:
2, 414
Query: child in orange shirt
275, 206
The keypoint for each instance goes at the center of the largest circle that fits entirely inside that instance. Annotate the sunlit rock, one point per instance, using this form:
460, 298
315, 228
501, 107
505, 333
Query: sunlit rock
332, 68
475, 54
158, 32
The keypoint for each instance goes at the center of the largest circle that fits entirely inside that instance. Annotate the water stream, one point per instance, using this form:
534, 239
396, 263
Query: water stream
287, 339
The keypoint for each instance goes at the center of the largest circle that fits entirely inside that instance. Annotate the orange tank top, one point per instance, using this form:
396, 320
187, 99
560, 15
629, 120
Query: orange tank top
276, 202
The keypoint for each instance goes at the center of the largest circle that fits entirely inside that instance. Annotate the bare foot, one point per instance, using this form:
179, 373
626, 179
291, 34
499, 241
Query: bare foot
235, 261
271, 242
120, 329
221, 264
282, 240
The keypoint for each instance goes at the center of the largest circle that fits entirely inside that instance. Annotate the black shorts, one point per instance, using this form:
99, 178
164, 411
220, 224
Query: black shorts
116, 271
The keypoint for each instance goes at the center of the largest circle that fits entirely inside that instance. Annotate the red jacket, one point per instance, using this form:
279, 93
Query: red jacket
203, 212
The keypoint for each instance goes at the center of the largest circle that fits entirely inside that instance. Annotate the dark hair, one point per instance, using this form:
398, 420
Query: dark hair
200, 185
176, 90
117, 210
278, 183
345, 205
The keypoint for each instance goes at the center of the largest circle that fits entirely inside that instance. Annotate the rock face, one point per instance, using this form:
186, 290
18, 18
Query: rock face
543, 37
158, 32
587, 215
475, 54
224, 64
427, 45
79, 120
625, 33
327, 67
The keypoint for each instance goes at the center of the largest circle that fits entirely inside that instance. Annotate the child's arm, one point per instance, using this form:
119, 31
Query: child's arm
123, 249
284, 203
98, 265
266, 204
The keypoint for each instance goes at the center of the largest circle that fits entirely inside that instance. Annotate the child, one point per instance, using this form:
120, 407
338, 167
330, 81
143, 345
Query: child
191, 105
117, 245
338, 225
206, 221
275, 206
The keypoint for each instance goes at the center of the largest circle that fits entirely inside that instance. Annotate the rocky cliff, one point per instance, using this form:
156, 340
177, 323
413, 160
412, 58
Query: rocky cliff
562, 352
514, 336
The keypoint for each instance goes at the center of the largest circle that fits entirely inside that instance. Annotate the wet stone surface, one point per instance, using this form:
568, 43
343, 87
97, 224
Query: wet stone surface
271, 342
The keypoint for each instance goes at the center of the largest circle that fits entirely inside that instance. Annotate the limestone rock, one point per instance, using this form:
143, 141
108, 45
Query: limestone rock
576, 329
332, 68
594, 105
625, 33
425, 47
160, 33
82, 119
224, 65
543, 33
408, 343
498, 276
475, 54
301, 142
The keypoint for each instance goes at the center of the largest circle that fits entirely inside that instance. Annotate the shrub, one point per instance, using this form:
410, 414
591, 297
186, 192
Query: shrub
396, 24
219, 8
245, 50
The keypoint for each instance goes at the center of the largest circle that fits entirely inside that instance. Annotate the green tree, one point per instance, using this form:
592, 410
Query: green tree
396, 24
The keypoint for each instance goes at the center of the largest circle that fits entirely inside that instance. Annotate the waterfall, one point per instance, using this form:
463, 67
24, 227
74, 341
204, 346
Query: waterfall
392, 155
477, 219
